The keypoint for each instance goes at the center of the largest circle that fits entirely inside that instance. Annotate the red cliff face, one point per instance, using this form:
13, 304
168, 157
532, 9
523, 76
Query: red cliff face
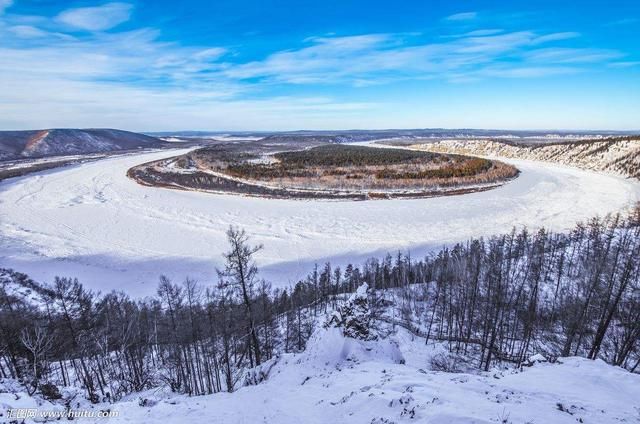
35, 140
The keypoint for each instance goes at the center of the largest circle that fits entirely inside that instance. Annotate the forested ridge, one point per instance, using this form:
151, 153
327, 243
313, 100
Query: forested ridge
618, 155
492, 302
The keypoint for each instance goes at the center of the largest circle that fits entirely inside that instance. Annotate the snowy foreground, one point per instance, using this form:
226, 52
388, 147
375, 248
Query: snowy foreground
342, 380
90, 221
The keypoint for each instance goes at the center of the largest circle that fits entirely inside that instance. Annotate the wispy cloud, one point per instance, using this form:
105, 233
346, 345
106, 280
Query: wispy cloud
624, 21
624, 64
380, 58
477, 33
98, 18
465, 16
58, 102
572, 55
5, 4
524, 71
557, 36
325, 59
131, 79
80, 68
27, 31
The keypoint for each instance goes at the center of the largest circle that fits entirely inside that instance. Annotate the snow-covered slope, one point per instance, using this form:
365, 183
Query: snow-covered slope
20, 287
55, 142
342, 380
620, 156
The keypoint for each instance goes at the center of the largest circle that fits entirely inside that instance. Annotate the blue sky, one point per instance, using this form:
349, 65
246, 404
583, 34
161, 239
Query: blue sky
280, 65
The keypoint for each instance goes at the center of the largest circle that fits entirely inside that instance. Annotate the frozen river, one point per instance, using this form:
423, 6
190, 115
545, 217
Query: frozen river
90, 221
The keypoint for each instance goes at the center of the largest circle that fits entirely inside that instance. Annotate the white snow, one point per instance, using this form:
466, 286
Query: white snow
360, 293
538, 357
228, 137
341, 380
619, 158
92, 222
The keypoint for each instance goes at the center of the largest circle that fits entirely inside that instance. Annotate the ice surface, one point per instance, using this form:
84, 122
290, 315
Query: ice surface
92, 222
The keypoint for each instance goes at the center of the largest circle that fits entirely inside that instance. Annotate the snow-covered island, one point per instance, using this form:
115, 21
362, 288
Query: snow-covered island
325, 171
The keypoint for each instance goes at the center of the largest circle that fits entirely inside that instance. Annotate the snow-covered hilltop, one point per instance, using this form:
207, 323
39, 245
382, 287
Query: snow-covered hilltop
344, 380
619, 155
56, 142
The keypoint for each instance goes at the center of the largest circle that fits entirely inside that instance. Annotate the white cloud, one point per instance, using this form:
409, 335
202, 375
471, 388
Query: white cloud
556, 36
526, 71
479, 33
572, 55
27, 31
324, 60
213, 53
5, 4
98, 18
34, 32
380, 58
624, 64
466, 16
59, 102
133, 80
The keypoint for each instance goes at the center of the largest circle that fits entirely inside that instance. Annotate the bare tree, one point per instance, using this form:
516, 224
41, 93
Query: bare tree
240, 274
38, 343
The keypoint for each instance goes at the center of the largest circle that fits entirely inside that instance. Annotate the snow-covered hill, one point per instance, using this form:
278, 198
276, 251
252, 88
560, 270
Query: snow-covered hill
343, 380
17, 286
620, 156
55, 142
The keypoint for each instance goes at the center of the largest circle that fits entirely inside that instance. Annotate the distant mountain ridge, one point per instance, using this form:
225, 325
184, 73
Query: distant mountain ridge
56, 142
363, 135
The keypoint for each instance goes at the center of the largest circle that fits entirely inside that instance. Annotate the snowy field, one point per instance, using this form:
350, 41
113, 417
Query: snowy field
90, 221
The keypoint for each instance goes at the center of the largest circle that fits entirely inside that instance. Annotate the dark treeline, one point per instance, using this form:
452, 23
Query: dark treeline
348, 155
303, 163
494, 300
512, 296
